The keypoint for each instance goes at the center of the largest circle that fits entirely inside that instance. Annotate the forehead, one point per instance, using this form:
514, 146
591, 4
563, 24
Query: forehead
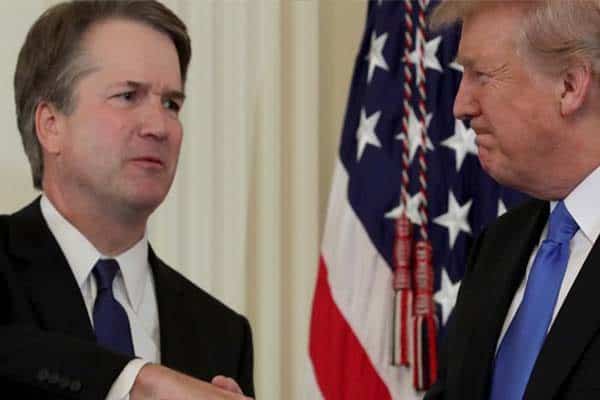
490, 33
132, 50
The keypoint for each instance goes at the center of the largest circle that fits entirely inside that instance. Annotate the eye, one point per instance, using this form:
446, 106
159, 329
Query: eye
171, 104
128, 96
482, 77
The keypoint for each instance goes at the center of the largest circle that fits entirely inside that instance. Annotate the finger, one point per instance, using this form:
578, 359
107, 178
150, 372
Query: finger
226, 383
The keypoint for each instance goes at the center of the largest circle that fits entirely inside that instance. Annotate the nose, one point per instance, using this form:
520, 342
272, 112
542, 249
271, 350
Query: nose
155, 120
466, 105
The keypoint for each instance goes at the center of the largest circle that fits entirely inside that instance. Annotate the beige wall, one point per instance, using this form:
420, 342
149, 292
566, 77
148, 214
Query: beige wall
15, 18
341, 25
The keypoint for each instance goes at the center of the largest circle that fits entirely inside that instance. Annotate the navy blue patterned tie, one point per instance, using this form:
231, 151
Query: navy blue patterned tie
524, 338
110, 319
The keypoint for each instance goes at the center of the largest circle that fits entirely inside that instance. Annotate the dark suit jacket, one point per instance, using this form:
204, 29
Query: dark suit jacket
47, 346
568, 366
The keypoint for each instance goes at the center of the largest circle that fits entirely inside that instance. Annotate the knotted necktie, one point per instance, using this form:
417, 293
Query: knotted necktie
524, 338
110, 319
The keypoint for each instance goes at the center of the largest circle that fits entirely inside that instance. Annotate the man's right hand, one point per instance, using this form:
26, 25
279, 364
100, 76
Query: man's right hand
155, 382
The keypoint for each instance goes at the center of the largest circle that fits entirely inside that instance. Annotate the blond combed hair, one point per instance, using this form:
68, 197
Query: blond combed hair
554, 33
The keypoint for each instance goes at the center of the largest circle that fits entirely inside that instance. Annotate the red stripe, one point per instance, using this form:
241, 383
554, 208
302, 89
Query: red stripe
417, 356
431, 330
342, 367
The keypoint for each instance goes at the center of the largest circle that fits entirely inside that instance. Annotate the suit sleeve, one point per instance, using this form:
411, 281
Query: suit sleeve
245, 376
39, 364
438, 390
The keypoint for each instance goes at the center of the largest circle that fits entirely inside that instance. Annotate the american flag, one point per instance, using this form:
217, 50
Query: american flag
352, 335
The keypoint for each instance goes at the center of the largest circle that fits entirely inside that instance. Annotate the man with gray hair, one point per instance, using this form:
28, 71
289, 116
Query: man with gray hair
87, 310
525, 324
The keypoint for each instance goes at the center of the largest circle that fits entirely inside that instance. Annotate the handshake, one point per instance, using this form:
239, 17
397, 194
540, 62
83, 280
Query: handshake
157, 382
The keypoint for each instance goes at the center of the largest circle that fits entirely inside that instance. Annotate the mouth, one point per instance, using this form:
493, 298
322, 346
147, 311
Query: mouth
148, 162
478, 128
482, 135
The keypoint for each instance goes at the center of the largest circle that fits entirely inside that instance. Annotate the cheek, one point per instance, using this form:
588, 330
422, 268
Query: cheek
176, 137
99, 140
512, 133
530, 137
109, 125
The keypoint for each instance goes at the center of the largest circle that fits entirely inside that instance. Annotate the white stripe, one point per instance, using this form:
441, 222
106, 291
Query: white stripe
361, 285
409, 330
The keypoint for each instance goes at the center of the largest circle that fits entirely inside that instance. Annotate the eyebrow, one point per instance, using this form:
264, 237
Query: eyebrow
171, 94
464, 61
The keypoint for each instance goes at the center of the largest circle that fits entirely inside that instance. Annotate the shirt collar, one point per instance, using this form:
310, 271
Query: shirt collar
82, 255
582, 203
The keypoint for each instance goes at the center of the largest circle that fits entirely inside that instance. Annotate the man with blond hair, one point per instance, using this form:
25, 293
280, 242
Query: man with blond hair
525, 323
87, 310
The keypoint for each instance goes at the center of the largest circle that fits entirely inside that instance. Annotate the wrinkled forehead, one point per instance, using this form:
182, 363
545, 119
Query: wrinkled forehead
493, 31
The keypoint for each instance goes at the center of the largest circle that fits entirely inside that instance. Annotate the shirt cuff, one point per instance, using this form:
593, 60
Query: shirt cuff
124, 383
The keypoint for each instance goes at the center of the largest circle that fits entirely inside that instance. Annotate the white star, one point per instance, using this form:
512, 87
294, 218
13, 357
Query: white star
447, 294
430, 60
414, 133
412, 209
375, 56
462, 142
456, 66
365, 134
455, 219
501, 207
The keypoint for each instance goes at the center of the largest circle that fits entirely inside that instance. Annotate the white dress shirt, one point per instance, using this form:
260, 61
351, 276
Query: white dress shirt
133, 288
582, 203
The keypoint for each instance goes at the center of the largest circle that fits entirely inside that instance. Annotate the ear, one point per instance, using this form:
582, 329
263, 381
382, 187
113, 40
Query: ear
576, 81
47, 127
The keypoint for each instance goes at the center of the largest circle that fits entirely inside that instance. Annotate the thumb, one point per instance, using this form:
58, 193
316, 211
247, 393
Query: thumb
226, 383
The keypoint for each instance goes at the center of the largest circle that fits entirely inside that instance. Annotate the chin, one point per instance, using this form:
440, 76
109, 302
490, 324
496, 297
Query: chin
143, 193
146, 199
497, 172
511, 180
486, 164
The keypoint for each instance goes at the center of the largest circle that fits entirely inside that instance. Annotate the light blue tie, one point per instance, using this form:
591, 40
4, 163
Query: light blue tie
524, 338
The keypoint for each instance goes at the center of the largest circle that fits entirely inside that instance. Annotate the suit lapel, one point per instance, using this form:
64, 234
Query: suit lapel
576, 324
498, 281
169, 301
182, 346
48, 279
